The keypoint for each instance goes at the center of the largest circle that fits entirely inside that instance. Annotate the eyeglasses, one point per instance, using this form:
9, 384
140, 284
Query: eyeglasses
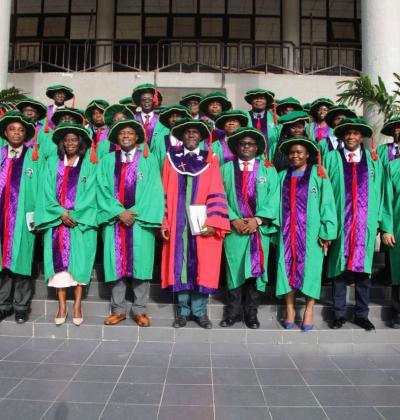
247, 144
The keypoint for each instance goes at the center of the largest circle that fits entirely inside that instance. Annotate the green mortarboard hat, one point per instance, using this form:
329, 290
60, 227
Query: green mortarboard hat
289, 101
40, 108
250, 94
234, 114
66, 128
183, 124
78, 114
16, 116
119, 125
100, 104
51, 90
287, 143
319, 102
353, 124
293, 117
190, 97
145, 88
390, 125
115, 109
173, 109
336, 110
251, 132
215, 96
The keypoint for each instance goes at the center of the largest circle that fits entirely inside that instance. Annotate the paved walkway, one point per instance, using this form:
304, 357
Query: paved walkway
89, 379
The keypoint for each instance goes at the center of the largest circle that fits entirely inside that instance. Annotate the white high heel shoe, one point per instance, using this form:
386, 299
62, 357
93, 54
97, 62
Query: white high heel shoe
60, 321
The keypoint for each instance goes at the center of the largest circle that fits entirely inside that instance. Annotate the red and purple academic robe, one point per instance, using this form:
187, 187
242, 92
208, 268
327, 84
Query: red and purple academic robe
192, 262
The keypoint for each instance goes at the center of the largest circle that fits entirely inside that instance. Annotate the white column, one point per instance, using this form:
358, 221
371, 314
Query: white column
291, 29
380, 45
5, 17
104, 31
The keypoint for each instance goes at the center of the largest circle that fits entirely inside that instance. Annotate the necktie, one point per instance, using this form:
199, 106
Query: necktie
98, 135
127, 158
319, 138
14, 153
258, 123
146, 126
245, 173
351, 157
354, 196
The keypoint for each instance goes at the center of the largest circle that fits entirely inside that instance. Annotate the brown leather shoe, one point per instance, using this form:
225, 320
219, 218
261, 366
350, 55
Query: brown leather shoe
142, 320
114, 319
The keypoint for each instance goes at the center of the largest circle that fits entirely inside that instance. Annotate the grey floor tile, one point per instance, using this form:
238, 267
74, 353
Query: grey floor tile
37, 389
28, 355
137, 393
394, 374
192, 376
381, 395
232, 361
354, 413
191, 360
386, 362
104, 358
241, 413
353, 361
153, 347
93, 392
313, 361
389, 413
243, 396
266, 349
114, 347
297, 413
45, 344
279, 377
54, 371
230, 376
192, 348
144, 374
289, 396
324, 377
129, 411
98, 373
278, 362
16, 369
68, 357
229, 349
187, 394
22, 410
11, 344
155, 360
173, 412
6, 384
369, 377
340, 396
79, 346
74, 411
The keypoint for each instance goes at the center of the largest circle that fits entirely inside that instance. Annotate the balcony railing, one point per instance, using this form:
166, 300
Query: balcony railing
184, 56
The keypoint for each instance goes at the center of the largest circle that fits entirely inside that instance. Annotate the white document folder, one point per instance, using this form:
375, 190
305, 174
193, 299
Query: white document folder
197, 216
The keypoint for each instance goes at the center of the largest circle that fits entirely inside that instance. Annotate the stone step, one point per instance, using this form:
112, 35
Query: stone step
161, 331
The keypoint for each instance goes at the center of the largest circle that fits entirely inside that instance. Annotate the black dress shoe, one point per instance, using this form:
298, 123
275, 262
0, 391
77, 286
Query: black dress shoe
252, 322
180, 321
395, 323
230, 320
338, 323
203, 321
21, 317
4, 313
364, 323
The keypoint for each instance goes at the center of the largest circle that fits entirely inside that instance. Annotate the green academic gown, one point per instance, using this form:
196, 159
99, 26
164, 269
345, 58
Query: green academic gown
385, 153
391, 215
370, 217
148, 200
17, 198
242, 251
82, 239
315, 218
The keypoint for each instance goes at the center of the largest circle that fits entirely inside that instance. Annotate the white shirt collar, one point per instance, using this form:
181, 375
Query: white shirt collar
334, 140
18, 149
259, 114
173, 141
74, 164
186, 151
357, 156
143, 115
124, 155
250, 162
395, 148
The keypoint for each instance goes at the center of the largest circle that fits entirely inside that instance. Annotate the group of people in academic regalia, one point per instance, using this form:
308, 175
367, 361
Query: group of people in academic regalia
207, 184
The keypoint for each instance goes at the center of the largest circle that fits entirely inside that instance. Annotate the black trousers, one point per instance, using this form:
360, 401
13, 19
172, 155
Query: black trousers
245, 297
362, 288
396, 300
15, 291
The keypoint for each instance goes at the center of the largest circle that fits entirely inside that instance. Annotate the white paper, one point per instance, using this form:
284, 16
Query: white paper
197, 216
30, 220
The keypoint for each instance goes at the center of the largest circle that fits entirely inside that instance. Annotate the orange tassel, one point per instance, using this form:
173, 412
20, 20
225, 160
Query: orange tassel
35, 153
84, 122
275, 114
373, 151
146, 151
155, 98
73, 101
46, 127
93, 154
267, 163
321, 170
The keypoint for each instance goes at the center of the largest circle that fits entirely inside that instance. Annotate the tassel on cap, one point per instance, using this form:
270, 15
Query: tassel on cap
321, 170
210, 152
155, 98
373, 148
84, 122
35, 154
275, 114
267, 163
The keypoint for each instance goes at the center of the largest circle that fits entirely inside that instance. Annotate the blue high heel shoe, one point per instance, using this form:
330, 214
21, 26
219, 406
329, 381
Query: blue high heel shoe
287, 325
307, 327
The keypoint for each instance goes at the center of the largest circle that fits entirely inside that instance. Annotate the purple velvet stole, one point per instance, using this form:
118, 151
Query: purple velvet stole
217, 135
302, 188
124, 234
50, 112
186, 163
391, 156
9, 211
325, 131
227, 154
264, 123
103, 134
362, 210
329, 143
62, 233
248, 209
152, 125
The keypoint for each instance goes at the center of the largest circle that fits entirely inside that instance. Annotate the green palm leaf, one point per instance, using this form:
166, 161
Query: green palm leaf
8, 98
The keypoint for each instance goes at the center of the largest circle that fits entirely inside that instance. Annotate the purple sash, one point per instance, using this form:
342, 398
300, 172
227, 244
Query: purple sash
150, 128
103, 134
264, 123
302, 188
187, 164
227, 154
50, 112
